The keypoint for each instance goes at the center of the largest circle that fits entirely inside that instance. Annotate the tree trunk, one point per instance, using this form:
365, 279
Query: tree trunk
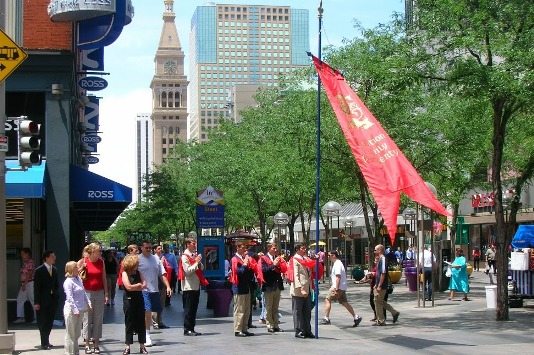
499, 129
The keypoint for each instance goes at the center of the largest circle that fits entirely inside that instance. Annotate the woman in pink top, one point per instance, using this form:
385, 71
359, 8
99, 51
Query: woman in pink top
96, 287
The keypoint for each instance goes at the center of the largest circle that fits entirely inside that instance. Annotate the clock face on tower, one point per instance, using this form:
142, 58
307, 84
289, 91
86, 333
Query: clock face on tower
169, 67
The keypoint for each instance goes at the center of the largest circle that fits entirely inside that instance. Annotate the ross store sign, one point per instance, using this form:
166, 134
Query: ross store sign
91, 139
78, 10
92, 83
90, 159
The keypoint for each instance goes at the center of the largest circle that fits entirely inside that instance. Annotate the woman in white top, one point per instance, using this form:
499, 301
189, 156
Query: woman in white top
76, 303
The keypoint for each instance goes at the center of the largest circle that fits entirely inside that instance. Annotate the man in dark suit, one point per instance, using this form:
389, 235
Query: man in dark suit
46, 296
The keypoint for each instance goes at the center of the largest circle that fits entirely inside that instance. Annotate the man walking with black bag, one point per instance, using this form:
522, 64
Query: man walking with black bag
380, 288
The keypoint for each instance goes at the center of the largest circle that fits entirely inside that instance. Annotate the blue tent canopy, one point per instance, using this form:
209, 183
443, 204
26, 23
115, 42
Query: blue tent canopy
524, 237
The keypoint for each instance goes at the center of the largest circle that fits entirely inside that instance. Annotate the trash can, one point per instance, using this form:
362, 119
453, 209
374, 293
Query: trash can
491, 296
408, 263
411, 277
219, 297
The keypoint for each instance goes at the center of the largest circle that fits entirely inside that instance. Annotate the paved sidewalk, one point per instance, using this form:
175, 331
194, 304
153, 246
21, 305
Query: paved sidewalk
451, 327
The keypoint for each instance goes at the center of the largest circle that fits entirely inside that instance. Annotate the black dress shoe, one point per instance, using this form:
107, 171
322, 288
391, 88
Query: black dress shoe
278, 330
163, 326
249, 334
45, 347
309, 336
240, 334
191, 333
396, 317
300, 335
271, 330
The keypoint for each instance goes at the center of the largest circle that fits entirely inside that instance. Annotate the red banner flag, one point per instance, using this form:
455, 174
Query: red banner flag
384, 167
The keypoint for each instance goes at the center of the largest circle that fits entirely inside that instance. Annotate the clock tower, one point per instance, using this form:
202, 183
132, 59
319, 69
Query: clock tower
169, 90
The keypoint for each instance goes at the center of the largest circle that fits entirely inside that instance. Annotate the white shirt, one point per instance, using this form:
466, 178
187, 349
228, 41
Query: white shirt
151, 269
428, 258
339, 269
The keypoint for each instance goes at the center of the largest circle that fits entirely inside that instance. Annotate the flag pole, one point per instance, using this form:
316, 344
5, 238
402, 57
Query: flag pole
318, 174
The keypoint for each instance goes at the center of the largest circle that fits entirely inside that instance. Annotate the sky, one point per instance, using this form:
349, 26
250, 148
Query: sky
130, 64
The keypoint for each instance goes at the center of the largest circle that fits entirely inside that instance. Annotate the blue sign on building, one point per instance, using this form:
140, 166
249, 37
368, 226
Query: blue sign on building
92, 114
92, 59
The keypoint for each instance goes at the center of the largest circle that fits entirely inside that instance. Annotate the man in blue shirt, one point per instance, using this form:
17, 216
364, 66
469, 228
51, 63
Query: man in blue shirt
399, 255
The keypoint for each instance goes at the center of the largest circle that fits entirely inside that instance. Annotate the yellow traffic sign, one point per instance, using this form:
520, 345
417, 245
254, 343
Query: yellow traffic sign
11, 56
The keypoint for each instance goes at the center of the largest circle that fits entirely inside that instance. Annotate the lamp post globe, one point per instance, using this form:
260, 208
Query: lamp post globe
332, 208
432, 188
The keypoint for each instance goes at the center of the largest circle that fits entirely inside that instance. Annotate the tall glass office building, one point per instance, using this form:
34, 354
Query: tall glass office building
233, 45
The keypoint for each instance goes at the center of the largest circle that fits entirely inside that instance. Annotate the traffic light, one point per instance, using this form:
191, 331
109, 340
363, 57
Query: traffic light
29, 143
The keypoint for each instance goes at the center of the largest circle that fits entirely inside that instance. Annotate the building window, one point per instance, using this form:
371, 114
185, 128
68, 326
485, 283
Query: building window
163, 102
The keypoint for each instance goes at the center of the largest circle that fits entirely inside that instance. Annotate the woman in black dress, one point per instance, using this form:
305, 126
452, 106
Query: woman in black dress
134, 309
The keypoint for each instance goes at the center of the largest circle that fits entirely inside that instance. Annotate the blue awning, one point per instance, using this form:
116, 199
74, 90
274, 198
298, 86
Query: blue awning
25, 184
96, 200
524, 237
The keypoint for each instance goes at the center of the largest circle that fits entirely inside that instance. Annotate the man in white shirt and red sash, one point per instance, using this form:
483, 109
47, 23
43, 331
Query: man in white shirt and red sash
272, 266
192, 277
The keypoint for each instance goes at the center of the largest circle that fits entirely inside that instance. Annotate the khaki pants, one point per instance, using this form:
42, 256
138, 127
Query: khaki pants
94, 317
381, 304
241, 312
272, 301
73, 330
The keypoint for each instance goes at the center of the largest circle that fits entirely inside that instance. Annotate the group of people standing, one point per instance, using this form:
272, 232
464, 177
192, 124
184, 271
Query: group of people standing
89, 286
270, 270
146, 277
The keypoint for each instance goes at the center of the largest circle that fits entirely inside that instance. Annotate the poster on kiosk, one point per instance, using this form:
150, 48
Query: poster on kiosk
212, 250
210, 215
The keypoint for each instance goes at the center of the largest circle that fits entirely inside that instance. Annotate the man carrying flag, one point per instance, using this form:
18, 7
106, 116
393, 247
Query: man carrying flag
191, 276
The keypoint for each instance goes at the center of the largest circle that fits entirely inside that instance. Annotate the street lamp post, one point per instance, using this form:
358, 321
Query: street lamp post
432, 244
410, 215
330, 209
280, 219
353, 256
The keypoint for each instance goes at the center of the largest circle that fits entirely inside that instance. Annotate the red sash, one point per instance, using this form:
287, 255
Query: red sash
198, 272
256, 267
280, 268
167, 267
306, 262
252, 264
236, 262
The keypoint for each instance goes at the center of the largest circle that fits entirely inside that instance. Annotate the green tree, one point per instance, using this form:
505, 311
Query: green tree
482, 49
